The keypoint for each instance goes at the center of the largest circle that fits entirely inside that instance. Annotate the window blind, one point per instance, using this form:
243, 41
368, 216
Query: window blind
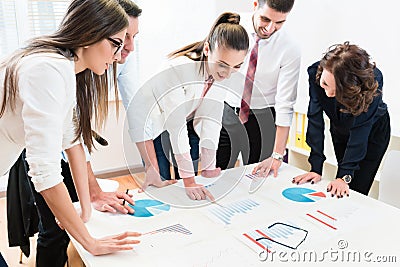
8, 27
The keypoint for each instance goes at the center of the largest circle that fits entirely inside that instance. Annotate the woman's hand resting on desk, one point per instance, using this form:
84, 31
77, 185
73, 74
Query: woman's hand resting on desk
153, 178
267, 165
196, 191
307, 177
111, 244
338, 188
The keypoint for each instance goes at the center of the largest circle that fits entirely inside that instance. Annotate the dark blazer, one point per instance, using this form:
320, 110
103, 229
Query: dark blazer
351, 129
22, 216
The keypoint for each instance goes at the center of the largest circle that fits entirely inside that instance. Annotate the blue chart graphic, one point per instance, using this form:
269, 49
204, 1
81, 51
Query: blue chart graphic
149, 207
301, 194
226, 213
277, 234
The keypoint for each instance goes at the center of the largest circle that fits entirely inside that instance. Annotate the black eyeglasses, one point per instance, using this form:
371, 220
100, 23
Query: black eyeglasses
117, 44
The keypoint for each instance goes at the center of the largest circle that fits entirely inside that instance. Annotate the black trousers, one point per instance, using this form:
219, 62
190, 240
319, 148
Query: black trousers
254, 140
378, 142
52, 242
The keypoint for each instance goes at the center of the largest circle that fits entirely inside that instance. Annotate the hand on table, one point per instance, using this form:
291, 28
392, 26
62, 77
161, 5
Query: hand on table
153, 178
211, 173
338, 188
196, 191
113, 202
267, 165
307, 177
111, 244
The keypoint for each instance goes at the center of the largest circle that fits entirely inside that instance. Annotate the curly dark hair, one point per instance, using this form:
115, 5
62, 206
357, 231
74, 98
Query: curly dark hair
356, 86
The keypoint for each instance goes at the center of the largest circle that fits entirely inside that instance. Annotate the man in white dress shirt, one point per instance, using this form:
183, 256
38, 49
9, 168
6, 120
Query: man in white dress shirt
273, 95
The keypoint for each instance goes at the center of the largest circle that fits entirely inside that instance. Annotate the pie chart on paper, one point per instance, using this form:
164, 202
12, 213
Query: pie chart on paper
301, 194
149, 207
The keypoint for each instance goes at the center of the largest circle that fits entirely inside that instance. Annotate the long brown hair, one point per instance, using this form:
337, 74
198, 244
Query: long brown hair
225, 32
356, 86
86, 22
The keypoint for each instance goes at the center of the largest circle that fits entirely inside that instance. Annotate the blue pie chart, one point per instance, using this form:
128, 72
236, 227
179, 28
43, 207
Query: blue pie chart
149, 207
301, 194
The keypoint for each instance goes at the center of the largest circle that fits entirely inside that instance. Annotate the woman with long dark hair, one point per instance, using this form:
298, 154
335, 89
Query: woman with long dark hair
41, 86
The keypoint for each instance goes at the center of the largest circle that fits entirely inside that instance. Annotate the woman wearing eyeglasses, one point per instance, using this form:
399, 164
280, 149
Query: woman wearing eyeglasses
185, 101
348, 88
41, 84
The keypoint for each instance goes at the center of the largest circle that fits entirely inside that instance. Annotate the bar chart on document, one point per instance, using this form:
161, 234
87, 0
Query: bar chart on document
176, 228
160, 238
225, 214
277, 235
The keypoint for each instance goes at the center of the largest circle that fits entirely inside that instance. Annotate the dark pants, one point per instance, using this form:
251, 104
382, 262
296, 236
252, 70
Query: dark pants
255, 139
52, 242
378, 142
162, 146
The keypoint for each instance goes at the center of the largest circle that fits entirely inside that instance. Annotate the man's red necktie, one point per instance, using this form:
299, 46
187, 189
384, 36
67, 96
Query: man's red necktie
248, 84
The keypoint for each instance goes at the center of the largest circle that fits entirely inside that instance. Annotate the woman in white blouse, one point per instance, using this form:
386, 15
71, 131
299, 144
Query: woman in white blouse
182, 93
40, 86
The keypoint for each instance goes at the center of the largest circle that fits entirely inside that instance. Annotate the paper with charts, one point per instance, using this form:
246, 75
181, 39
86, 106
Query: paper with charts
160, 239
276, 236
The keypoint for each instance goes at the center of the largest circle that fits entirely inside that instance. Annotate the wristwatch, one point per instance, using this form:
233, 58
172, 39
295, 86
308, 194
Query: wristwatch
277, 156
347, 178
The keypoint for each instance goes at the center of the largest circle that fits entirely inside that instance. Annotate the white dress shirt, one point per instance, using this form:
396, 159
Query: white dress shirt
42, 119
276, 77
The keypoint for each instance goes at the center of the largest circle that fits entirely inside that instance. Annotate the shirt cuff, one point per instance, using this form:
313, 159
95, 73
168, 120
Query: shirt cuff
284, 119
44, 174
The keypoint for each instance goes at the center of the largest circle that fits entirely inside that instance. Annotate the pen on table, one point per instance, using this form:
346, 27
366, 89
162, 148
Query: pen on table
216, 203
123, 202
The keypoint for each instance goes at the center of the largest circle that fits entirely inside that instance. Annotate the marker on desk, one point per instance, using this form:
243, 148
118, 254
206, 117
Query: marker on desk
123, 202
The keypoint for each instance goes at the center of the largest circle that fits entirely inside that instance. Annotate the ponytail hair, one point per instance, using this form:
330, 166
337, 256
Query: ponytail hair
225, 32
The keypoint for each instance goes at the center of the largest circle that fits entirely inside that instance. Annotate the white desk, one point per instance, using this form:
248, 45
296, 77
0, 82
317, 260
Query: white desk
368, 227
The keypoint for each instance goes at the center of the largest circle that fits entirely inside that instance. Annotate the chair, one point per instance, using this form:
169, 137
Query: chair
390, 179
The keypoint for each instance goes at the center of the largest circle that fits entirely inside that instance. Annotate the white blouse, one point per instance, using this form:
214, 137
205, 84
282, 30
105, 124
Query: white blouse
167, 100
42, 120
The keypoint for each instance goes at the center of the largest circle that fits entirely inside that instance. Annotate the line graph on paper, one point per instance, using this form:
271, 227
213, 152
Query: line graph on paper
225, 214
176, 228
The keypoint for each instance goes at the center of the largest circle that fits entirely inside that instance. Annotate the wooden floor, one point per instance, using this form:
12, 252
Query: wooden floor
12, 255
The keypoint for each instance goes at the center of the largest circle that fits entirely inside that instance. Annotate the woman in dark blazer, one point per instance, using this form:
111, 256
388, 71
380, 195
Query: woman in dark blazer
348, 88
